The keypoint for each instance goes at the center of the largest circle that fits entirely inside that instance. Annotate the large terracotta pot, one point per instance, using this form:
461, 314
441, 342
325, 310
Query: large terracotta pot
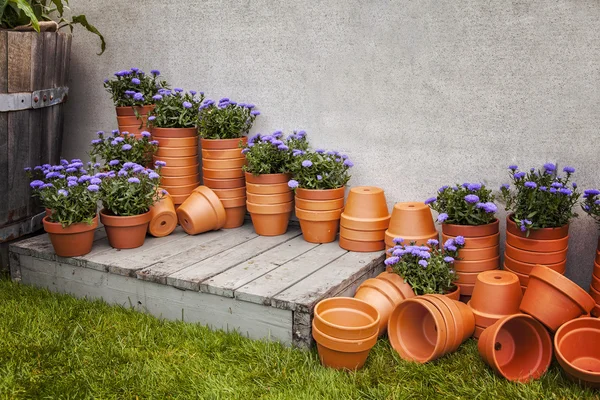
458, 318
125, 232
340, 353
496, 294
270, 219
476, 266
171, 133
319, 226
235, 211
277, 198
553, 299
346, 318
268, 179
164, 218
223, 144
191, 151
517, 347
411, 221
217, 183
177, 142
178, 161
132, 120
180, 180
319, 205
577, 351
73, 240
479, 254
179, 171
471, 231
201, 212
222, 173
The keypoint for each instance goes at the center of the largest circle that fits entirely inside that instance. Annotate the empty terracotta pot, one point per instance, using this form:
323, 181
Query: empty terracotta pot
477, 266
174, 133
315, 194
525, 268
221, 154
73, 240
270, 219
229, 163
319, 226
177, 151
534, 257
456, 315
179, 171
274, 188
277, 198
366, 203
477, 242
222, 173
125, 232
267, 179
224, 183
362, 247
362, 236
553, 299
132, 110
319, 205
411, 219
180, 180
223, 144
230, 193
164, 218
177, 142
538, 234
201, 212
346, 318
577, 350
496, 294
235, 212
538, 245
517, 347
471, 231
478, 254
340, 353
180, 190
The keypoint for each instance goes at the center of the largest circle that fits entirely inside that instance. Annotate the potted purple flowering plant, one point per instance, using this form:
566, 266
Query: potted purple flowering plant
226, 119
70, 194
121, 147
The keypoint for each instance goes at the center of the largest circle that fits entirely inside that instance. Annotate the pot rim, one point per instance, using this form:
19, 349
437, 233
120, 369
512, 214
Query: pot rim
559, 336
347, 328
510, 224
563, 285
117, 220
342, 344
56, 228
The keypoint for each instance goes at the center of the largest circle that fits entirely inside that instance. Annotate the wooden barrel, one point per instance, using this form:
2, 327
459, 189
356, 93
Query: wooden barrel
29, 62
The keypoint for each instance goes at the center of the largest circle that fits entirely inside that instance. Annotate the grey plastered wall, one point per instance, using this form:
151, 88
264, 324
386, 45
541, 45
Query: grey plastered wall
418, 93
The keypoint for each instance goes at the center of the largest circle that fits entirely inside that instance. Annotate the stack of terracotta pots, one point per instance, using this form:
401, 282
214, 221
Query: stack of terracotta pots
427, 327
319, 213
577, 350
481, 252
411, 221
595, 286
178, 148
270, 202
546, 246
345, 330
384, 293
128, 121
496, 294
201, 212
164, 217
364, 220
222, 162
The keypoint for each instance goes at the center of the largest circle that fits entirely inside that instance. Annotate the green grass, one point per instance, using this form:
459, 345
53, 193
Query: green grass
55, 346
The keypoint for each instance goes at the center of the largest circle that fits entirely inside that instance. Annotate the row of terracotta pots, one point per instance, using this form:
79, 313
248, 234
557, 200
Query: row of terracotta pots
364, 220
411, 221
222, 162
128, 121
319, 212
270, 202
595, 285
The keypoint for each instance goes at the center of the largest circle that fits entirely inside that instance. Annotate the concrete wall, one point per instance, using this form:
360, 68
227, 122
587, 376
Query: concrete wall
419, 94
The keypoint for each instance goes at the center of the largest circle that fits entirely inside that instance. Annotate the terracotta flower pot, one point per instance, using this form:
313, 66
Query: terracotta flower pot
477, 266
171, 133
554, 299
270, 219
366, 207
523, 278
595, 283
73, 240
340, 353
478, 254
217, 183
267, 189
191, 151
270, 198
533, 257
453, 335
319, 205
362, 247
454, 294
538, 245
163, 217
495, 295
230, 163
235, 211
131, 110
375, 224
517, 347
477, 242
222, 173
458, 318
201, 212
125, 232
179, 171
210, 154
470, 231
525, 268
177, 142
180, 180
595, 294
346, 318
180, 190
315, 194
223, 144
384, 295
319, 226
411, 219
362, 236
177, 161
577, 350
537, 234
230, 193
267, 179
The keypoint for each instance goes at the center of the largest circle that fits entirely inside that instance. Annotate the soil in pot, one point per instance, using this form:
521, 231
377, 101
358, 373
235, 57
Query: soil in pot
73, 240
125, 232
201, 212
577, 350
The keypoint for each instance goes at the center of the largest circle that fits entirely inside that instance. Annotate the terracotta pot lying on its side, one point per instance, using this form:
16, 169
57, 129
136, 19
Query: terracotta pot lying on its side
164, 218
577, 350
201, 212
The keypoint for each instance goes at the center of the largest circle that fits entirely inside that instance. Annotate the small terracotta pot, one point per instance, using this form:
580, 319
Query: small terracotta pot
132, 120
496, 292
523, 278
171, 133
235, 210
470, 231
538, 245
270, 219
340, 353
177, 161
73, 240
222, 173
267, 179
176, 142
275, 188
319, 205
362, 236
223, 144
315, 194
180, 180
210, 154
537, 234
577, 350
224, 183
517, 347
375, 224
525, 268
180, 190
409, 220
533, 257
177, 152
319, 226
477, 242
453, 335
554, 299
361, 247
179, 171
230, 193
477, 266
458, 317
164, 218
125, 232
478, 254
346, 318
466, 290
270, 198
454, 294
131, 110
418, 240
230, 163
367, 203
201, 212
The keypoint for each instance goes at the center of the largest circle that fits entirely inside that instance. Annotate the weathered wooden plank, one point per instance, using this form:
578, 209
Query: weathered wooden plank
226, 282
19, 61
262, 289
228, 257
55, 130
36, 131
302, 330
327, 281
3, 127
205, 246
50, 81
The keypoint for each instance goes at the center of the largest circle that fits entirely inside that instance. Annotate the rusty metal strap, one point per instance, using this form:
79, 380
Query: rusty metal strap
36, 99
21, 228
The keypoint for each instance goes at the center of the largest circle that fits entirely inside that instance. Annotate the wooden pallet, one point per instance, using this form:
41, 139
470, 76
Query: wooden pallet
264, 287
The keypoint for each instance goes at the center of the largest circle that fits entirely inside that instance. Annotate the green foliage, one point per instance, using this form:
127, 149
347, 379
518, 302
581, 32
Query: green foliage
124, 148
591, 204
272, 154
134, 87
541, 198
319, 169
227, 120
15, 13
175, 109
427, 269
457, 205
131, 191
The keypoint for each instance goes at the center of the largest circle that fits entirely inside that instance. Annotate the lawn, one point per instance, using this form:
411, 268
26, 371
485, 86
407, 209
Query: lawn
56, 346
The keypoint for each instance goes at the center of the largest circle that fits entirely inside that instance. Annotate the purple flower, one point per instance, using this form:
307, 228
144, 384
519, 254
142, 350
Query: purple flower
433, 242
95, 181
297, 153
250, 106
423, 263
531, 185
72, 183
556, 185
126, 147
255, 113
569, 170
519, 175
128, 165
442, 217
93, 188
392, 260
459, 240
319, 151
136, 81
451, 248
307, 163
471, 198
146, 134
71, 170
51, 175
154, 142
398, 240
513, 167
153, 175
489, 207
245, 151
96, 141
348, 163
319, 177
133, 180
193, 92
115, 132
155, 72
135, 69
283, 147
293, 184
474, 187
112, 163
505, 186
36, 184
449, 259
591, 192
430, 200
549, 167
574, 185
552, 190
157, 97
187, 104
178, 90
543, 188
63, 192
565, 191
138, 97
160, 163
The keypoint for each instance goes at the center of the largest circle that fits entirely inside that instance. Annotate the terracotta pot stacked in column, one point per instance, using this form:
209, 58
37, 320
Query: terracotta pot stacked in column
364, 220
427, 327
546, 246
345, 330
270, 202
577, 350
319, 213
128, 121
480, 253
595, 286
178, 148
411, 221
496, 295
222, 162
